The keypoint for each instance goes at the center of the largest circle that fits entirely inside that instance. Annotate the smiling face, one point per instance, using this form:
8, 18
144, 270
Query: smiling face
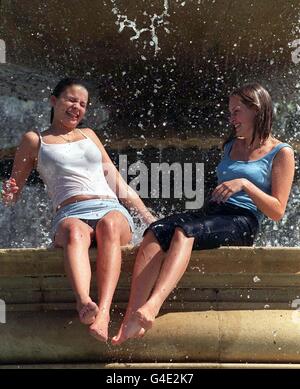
242, 118
70, 106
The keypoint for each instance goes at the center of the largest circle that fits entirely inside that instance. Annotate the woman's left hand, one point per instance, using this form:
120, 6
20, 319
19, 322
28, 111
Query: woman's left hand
227, 189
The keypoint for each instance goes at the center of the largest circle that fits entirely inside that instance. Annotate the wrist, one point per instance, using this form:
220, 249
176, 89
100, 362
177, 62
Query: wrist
148, 217
245, 184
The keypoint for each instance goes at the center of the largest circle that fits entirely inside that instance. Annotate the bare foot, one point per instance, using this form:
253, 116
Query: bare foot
99, 328
146, 316
87, 312
130, 328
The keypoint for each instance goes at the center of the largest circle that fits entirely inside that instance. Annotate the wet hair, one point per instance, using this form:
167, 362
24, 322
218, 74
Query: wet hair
256, 96
62, 86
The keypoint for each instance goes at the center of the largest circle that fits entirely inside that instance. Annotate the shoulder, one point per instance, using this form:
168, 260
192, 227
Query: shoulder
92, 135
284, 156
31, 139
88, 131
284, 149
29, 145
31, 136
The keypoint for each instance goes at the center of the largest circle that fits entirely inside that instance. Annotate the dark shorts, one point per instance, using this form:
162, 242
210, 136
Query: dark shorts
212, 226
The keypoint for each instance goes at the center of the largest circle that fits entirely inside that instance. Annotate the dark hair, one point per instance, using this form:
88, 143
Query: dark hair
62, 86
255, 95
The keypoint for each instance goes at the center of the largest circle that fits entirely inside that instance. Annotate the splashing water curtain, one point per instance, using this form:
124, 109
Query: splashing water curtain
156, 21
174, 102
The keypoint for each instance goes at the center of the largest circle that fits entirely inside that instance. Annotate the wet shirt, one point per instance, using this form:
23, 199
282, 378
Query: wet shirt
259, 172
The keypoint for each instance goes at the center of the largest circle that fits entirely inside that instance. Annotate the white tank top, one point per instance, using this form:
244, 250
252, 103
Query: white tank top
71, 169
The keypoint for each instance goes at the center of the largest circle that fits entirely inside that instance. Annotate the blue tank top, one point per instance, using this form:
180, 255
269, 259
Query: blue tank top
259, 172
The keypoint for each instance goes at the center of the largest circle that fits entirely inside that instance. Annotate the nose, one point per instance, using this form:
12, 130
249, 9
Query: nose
76, 105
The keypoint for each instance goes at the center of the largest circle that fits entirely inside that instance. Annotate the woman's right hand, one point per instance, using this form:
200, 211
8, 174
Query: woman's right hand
9, 190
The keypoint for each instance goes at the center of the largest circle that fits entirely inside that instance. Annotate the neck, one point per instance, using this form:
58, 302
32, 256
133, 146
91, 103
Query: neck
59, 128
255, 145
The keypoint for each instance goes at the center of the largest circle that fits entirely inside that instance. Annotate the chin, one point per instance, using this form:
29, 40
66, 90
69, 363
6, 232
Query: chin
70, 123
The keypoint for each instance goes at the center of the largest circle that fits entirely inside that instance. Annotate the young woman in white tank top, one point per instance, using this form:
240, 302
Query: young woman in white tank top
84, 187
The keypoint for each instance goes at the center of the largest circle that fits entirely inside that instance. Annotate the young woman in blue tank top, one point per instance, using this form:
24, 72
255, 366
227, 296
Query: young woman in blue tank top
254, 179
84, 187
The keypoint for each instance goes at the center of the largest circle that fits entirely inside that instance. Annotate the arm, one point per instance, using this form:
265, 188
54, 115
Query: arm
272, 205
116, 182
24, 162
283, 169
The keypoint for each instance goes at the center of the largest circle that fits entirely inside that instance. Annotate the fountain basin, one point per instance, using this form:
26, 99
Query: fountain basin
233, 305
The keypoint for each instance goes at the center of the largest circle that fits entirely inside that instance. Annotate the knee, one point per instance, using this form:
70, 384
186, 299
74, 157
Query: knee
150, 247
179, 236
108, 227
71, 234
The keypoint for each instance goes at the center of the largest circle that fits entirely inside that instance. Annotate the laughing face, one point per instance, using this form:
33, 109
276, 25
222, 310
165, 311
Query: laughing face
241, 117
70, 106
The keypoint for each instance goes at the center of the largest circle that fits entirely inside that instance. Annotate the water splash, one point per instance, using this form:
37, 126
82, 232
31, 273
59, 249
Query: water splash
156, 21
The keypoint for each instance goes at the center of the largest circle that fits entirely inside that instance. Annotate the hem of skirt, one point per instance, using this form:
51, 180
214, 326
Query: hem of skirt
190, 235
53, 231
164, 247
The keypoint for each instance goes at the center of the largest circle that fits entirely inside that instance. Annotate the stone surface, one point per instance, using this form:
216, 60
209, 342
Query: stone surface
233, 305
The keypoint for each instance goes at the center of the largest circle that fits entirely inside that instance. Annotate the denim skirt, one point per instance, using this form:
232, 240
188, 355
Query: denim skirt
90, 211
212, 226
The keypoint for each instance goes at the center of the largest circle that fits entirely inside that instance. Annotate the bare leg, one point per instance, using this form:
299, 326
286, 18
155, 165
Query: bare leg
173, 268
112, 231
145, 273
74, 236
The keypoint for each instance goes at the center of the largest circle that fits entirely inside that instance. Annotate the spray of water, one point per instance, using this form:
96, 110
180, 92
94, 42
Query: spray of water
156, 21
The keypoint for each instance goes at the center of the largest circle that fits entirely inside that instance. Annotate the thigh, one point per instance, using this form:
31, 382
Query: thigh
72, 227
117, 224
222, 230
164, 229
209, 231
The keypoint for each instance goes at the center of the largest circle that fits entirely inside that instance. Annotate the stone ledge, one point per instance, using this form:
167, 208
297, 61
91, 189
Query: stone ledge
241, 260
218, 314
224, 267
225, 278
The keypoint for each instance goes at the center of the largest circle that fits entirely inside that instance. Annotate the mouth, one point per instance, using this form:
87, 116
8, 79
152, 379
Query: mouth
74, 116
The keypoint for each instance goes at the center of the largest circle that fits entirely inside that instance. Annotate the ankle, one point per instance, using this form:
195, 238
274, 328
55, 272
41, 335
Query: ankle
153, 306
103, 311
82, 300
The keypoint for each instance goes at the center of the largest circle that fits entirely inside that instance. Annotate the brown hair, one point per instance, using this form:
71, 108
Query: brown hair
255, 95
